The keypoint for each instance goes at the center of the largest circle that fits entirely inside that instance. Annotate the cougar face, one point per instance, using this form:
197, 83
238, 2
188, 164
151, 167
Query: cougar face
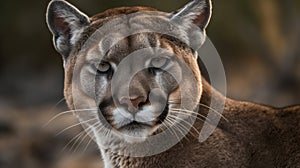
130, 72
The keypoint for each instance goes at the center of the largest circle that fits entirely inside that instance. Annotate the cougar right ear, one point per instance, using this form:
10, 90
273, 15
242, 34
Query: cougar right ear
66, 24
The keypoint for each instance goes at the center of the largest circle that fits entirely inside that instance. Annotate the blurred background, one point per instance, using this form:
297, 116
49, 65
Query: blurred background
258, 42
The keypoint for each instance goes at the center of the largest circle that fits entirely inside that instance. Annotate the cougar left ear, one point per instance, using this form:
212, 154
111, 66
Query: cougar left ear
197, 12
66, 24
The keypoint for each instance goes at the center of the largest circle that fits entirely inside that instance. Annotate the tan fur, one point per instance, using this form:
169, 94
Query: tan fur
254, 135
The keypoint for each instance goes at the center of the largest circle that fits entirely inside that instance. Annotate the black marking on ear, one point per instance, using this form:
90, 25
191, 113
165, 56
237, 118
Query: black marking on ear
66, 23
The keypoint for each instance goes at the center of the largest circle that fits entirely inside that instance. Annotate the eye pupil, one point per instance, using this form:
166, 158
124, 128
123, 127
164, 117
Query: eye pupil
103, 67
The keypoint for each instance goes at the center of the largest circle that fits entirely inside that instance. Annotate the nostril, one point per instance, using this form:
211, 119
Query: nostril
133, 104
137, 102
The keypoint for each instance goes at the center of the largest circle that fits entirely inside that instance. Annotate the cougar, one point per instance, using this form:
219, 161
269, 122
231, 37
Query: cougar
132, 78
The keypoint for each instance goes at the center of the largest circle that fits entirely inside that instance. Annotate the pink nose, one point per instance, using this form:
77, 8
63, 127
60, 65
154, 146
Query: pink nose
132, 104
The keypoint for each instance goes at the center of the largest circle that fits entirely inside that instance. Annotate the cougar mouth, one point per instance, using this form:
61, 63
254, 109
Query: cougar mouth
131, 125
135, 125
160, 119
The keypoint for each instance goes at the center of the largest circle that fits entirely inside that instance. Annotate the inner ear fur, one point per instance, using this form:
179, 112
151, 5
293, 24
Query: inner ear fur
197, 12
66, 23
194, 18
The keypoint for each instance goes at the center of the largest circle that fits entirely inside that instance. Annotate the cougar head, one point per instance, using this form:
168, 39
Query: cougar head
130, 72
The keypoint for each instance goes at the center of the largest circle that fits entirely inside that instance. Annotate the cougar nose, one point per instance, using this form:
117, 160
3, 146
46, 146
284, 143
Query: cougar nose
132, 104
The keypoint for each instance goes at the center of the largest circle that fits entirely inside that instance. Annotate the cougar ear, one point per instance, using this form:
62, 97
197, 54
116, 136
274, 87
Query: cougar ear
66, 24
197, 12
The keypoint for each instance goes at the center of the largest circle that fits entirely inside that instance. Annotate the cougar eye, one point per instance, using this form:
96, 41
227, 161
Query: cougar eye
159, 62
103, 67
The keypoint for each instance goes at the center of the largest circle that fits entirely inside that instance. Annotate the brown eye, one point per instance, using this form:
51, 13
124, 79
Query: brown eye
159, 62
103, 67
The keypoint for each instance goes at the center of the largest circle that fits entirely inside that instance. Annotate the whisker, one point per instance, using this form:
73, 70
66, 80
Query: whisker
203, 105
65, 112
74, 125
86, 147
77, 141
201, 119
97, 124
178, 111
189, 124
108, 131
61, 100
188, 111
77, 136
179, 127
85, 131
53, 107
169, 122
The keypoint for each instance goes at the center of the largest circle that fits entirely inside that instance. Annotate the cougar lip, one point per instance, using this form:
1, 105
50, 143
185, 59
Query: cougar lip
135, 125
135, 131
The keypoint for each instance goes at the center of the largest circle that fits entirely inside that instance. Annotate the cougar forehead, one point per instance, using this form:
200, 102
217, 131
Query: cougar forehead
115, 46
124, 22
